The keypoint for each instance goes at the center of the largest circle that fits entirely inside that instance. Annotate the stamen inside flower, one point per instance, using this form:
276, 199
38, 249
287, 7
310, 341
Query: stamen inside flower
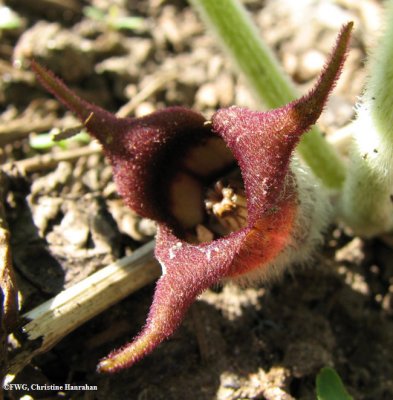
226, 205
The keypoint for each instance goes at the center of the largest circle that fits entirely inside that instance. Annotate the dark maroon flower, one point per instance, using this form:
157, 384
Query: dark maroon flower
164, 162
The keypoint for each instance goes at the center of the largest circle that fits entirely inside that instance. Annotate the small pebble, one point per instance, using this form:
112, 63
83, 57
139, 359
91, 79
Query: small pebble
143, 109
310, 65
206, 96
75, 228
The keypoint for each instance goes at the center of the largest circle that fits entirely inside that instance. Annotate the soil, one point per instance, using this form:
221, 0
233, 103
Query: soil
66, 220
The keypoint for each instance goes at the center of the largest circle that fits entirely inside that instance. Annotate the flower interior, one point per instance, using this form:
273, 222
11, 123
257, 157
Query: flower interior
201, 188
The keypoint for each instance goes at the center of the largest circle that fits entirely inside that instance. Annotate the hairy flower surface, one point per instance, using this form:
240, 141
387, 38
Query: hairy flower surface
163, 164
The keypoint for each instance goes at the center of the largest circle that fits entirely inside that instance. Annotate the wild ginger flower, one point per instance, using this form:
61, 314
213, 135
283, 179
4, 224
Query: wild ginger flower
163, 164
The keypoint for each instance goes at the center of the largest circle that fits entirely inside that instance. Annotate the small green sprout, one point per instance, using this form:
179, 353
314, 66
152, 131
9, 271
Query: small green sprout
330, 386
46, 141
114, 20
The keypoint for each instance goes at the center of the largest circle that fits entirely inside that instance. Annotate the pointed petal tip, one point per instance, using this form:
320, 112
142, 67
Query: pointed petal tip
347, 27
111, 366
189, 270
106, 365
60, 90
100, 123
309, 107
279, 129
132, 352
333, 66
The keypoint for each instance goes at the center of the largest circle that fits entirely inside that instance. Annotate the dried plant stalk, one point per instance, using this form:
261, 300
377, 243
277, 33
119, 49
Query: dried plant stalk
53, 320
50, 160
8, 291
7, 279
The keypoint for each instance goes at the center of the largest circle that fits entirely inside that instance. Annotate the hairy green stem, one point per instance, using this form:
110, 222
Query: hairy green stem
367, 201
255, 60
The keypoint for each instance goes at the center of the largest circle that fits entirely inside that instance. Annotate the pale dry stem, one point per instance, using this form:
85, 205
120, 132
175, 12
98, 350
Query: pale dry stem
53, 320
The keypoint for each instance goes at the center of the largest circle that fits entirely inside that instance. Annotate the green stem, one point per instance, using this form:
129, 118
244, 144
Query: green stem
242, 41
367, 199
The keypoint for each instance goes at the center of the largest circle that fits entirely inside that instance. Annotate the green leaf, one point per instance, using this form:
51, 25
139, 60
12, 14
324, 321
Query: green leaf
113, 19
330, 386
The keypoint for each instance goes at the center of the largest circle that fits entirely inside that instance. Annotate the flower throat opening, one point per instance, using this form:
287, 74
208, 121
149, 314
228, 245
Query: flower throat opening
205, 197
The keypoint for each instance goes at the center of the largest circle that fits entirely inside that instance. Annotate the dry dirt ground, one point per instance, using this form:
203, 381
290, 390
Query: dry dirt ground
66, 220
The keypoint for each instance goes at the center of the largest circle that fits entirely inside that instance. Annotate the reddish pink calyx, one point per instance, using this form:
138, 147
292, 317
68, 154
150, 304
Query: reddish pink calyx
262, 143
143, 154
